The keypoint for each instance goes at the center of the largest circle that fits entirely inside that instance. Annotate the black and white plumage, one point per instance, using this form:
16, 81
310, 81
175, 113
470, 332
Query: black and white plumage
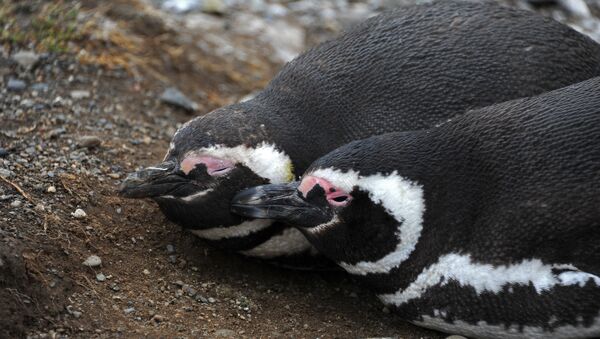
487, 226
407, 69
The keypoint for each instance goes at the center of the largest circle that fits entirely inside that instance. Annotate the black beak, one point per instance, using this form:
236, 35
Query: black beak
152, 181
280, 202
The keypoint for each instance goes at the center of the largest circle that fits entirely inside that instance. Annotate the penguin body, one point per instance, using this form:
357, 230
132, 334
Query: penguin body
487, 226
408, 69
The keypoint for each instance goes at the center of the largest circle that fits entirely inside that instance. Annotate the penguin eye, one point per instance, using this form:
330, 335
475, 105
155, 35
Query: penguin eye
338, 198
214, 166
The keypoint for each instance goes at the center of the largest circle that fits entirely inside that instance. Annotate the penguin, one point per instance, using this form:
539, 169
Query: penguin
486, 226
407, 69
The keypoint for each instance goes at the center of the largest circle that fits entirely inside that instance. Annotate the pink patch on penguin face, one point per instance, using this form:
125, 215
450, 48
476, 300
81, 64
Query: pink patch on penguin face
334, 195
214, 166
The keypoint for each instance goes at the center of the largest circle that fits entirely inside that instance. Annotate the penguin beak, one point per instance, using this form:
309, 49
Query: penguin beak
282, 202
152, 181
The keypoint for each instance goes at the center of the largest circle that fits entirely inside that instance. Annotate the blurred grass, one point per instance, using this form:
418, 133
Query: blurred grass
48, 26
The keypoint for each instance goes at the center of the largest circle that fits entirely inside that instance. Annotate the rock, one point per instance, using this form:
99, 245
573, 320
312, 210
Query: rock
173, 259
100, 277
92, 261
89, 141
190, 291
51, 189
214, 6
40, 208
181, 6
201, 299
40, 87
576, 7
129, 310
27, 103
201, 21
55, 133
212, 300
145, 271
80, 94
5, 173
79, 214
27, 59
15, 85
170, 249
158, 318
173, 96
225, 333
16, 204
3, 152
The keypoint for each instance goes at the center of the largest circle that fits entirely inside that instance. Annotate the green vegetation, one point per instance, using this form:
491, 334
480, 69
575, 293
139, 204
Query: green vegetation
48, 26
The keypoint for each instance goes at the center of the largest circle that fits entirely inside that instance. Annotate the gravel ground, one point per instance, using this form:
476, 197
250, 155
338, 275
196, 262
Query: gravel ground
96, 91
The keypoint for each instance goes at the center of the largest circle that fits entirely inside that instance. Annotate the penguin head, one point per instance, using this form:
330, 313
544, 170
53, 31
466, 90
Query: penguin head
209, 160
349, 217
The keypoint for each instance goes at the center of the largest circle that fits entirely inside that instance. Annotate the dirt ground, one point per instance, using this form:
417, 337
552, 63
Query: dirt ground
155, 280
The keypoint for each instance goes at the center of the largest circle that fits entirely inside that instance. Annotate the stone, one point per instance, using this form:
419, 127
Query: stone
27, 59
89, 141
6, 173
16, 85
100, 277
92, 261
174, 97
39, 87
225, 333
79, 214
80, 94
170, 249
51, 189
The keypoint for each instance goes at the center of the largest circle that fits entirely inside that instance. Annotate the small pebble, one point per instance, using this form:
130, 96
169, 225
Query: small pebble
51, 189
145, 271
100, 277
92, 261
26, 59
79, 214
89, 141
173, 96
170, 249
212, 300
129, 310
15, 85
5, 173
80, 94
16, 204
40, 87
40, 208
173, 259
225, 333
386, 310
3, 153
158, 318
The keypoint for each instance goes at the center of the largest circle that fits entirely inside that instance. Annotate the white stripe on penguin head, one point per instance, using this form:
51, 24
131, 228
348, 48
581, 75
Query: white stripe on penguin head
401, 198
266, 160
